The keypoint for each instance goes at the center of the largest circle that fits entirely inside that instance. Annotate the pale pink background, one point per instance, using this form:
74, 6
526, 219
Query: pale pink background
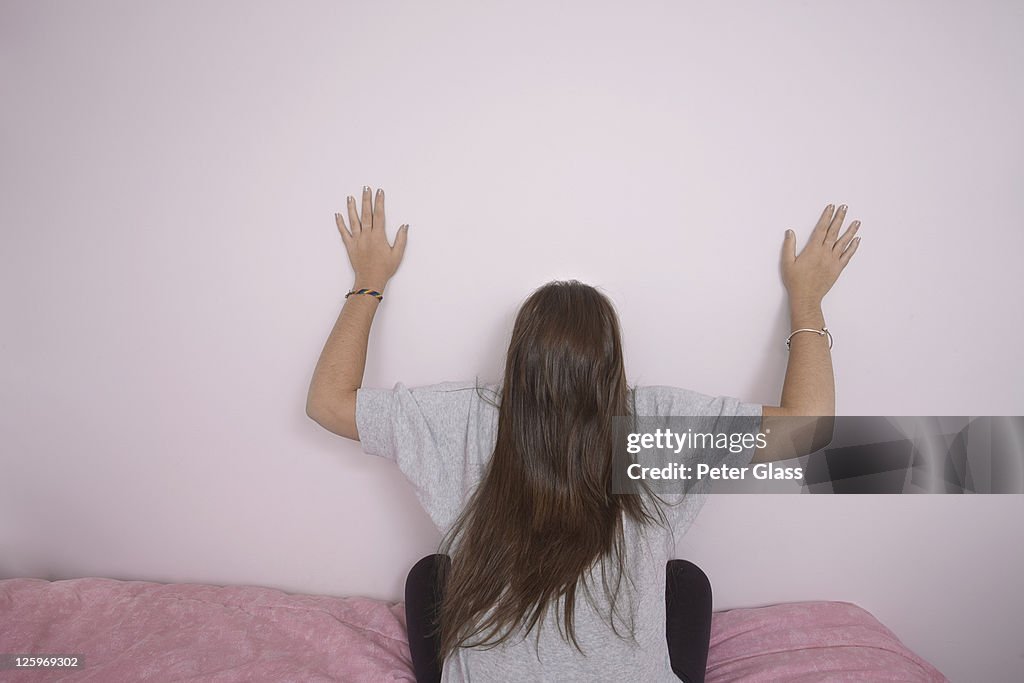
170, 269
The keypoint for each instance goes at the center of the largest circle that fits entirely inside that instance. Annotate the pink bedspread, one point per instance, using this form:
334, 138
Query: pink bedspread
810, 641
142, 631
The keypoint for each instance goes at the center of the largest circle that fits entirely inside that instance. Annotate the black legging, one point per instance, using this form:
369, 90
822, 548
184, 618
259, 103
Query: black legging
687, 623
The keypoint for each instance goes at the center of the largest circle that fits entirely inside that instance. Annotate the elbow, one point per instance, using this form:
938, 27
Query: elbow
337, 416
819, 426
318, 408
316, 413
314, 405
812, 428
319, 403
824, 429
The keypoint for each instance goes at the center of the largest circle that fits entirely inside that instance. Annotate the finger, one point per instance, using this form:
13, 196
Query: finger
844, 241
378, 212
845, 257
353, 217
345, 236
366, 217
789, 247
400, 240
818, 234
833, 228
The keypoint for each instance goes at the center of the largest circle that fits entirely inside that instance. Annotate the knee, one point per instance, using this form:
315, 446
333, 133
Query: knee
684, 572
427, 562
428, 567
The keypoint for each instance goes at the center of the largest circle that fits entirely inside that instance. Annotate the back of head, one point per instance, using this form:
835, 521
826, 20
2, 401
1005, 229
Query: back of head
544, 512
564, 379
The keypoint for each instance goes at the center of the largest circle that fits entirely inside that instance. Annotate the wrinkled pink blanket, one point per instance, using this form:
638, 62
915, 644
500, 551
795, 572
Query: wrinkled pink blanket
143, 631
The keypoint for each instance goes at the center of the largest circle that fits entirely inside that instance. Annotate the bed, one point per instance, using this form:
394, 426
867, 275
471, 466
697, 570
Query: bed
146, 631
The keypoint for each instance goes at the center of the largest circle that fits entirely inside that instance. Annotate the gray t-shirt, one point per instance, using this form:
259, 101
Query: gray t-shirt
442, 436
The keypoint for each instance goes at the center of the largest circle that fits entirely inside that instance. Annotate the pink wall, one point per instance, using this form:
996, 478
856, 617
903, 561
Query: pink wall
170, 269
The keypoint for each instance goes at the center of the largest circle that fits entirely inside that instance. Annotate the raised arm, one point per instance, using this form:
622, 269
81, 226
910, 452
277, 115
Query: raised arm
331, 401
809, 386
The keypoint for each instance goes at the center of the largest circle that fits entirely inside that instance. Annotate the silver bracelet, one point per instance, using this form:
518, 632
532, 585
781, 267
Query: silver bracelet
822, 332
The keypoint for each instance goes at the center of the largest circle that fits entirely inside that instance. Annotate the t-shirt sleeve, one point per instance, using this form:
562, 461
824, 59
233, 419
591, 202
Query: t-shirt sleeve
668, 401
425, 431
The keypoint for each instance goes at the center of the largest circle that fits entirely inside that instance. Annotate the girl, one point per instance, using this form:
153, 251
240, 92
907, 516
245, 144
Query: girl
543, 573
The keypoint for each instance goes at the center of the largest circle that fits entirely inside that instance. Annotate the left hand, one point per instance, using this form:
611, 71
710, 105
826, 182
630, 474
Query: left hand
373, 259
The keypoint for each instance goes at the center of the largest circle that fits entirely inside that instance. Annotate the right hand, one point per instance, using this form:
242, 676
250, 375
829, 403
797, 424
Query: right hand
809, 276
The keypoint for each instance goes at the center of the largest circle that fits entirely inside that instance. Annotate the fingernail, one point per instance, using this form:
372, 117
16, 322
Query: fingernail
843, 207
350, 200
366, 188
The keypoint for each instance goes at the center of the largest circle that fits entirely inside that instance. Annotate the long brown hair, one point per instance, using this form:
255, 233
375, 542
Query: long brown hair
544, 511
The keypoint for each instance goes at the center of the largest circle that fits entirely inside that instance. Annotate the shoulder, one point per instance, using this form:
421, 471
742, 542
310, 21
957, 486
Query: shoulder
465, 385
444, 387
469, 391
662, 401
661, 396
448, 385
445, 396
657, 390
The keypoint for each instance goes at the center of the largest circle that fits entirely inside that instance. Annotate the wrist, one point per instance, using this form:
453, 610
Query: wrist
805, 304
375, 283
805, 313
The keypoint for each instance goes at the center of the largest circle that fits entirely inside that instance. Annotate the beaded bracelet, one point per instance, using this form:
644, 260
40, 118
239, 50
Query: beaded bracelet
371, 292
822, 332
